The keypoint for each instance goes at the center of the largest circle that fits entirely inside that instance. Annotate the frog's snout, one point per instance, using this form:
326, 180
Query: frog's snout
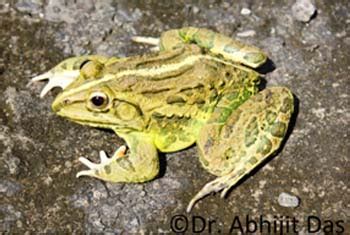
56, 106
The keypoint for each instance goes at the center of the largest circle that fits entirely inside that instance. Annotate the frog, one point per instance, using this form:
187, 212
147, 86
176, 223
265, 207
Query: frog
197, 87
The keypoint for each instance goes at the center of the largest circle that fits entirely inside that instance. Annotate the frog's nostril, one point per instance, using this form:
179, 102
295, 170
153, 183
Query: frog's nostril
58, 104
66, 102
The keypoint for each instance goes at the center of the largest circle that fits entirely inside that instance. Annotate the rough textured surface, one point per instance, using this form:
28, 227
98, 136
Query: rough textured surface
303, 10
39, 151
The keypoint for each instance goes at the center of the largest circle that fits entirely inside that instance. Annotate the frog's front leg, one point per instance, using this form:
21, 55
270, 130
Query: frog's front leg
232, 144
139, 165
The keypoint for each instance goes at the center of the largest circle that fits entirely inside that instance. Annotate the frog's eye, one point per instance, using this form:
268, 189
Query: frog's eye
98, 100
84, 63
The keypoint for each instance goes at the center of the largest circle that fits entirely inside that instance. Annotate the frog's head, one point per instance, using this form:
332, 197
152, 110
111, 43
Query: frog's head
93, 100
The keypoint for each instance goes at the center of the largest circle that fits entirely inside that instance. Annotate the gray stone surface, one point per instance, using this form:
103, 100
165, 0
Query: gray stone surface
288, 200
303, 10
39, 151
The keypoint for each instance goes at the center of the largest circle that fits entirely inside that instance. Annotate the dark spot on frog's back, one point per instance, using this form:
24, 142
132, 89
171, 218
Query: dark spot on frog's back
230, 124
213, 94
169, 140
268, 94
253, 124
269, 98
228, 75
184, 137
286, 105
244, 75
147, 61
151, 93
249, 139
270, 116
175, 99
228, 153
158, 115
253, 160
278, 129
200, 102
265, 145
251, 132
232, 96
208, 144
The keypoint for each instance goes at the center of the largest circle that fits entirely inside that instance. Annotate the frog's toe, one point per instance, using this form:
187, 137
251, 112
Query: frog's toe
86, 173
94, 168
56, 79
88, 163
211, 187
41, 77
146, 40
224, 192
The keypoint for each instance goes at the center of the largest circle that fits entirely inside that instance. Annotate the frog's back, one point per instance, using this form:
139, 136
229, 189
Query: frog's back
176, 91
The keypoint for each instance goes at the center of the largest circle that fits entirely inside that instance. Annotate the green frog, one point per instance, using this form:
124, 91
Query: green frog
199, 87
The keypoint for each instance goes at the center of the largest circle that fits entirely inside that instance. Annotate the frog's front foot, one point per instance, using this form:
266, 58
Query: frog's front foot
103, 168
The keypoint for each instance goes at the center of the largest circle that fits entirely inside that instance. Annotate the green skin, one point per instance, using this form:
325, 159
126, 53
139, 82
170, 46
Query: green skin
197, 89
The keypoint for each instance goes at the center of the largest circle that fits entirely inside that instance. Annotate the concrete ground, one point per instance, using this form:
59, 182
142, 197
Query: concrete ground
39, 151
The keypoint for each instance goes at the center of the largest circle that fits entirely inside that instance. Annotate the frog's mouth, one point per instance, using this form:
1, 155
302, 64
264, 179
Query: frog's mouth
106, 125
91, 123
88, 119
101, 120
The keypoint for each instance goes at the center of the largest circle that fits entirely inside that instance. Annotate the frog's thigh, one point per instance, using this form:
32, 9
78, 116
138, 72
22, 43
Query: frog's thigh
251, 133
231, 148
139, 165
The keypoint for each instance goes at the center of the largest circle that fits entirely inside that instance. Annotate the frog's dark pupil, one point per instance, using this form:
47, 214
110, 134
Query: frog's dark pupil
98, 100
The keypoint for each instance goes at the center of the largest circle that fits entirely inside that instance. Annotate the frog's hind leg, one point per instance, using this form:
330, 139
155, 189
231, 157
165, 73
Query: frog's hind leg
216, 43
209, 40
232, 144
